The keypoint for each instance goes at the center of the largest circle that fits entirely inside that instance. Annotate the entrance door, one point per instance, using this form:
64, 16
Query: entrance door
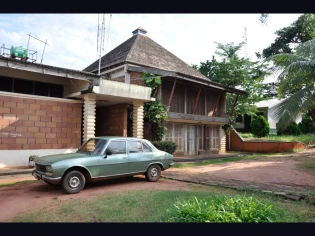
191, 140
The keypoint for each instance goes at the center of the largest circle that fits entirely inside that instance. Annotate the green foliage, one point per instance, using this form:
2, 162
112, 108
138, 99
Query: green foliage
166, 146
223, 209
291, 129
307, 125
260, 126
298, 32
236, 72
155, 112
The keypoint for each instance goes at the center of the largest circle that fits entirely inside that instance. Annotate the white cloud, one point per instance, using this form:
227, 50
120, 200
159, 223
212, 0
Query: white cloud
72, 38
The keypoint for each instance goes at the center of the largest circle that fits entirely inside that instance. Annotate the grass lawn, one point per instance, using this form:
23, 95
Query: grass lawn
308, 139
153, 206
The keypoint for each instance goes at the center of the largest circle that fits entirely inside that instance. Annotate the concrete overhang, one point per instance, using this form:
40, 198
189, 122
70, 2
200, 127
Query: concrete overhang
196, 119
112, 92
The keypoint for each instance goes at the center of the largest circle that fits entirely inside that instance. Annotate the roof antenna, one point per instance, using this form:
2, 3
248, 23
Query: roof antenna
100, 38
41, 62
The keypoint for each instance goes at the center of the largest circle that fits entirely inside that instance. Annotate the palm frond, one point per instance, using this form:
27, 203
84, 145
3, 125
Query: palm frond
307, 49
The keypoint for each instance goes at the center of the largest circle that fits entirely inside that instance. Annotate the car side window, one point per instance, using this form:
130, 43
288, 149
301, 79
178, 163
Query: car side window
117, 147
135, 146
146, 147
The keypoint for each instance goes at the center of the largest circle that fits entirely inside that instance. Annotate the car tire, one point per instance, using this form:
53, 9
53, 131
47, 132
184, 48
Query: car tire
73, 181
153, 173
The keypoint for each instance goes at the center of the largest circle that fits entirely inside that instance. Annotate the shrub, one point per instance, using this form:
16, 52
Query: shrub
166, 146
291, 129
307, 125
260, 126
223, 210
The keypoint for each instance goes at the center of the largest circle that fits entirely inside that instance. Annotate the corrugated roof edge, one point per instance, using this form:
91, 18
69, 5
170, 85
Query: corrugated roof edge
51, 67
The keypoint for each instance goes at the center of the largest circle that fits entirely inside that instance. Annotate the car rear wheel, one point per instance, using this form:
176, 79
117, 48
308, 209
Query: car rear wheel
73, 182
153, 173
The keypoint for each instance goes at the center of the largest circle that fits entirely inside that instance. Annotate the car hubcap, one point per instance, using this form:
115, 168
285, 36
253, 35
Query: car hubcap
74, 182
153, 172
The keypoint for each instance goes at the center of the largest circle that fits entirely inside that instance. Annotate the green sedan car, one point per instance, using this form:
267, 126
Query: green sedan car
102, 158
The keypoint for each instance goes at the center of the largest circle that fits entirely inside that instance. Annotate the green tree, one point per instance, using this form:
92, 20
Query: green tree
297, 71
260, 126
289, 37
237, 72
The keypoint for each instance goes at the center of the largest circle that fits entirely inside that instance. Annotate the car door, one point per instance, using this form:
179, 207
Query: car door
115, 163
139, 156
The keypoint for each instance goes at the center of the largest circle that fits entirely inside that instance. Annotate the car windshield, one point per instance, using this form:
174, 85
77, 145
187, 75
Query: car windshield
93, 146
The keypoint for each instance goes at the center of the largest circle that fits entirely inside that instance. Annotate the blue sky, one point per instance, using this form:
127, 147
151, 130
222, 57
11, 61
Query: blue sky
72, 38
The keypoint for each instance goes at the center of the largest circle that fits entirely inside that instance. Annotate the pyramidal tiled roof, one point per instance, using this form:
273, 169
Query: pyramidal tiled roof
143, 51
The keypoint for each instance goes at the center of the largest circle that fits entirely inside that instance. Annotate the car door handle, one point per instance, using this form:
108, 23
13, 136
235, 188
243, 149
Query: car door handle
124, 157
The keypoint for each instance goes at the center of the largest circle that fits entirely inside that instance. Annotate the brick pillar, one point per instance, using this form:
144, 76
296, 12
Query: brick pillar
89, 116
222, 141
137, 125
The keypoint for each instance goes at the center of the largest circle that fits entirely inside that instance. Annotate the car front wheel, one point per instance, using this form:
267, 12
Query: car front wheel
73, 182
153, 173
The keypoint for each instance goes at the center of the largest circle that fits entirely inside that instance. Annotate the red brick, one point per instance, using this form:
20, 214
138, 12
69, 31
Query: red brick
15, 146
29, 112
79, 136
34, 118
17, 111
23, 105
39, 135
62, 114
41, 113
66, 140
7, 140
40, 124
46, 146
22, 117
21, 140
67, 119
67, 109
25, 146
9, 104
52, 140
56, 130
75, 105
35, 106
33, 129
5, 98
76, 130
52, 113
57, 119
78, 110
45, 118
45, 130
61, 135
71, 135
52, 103
9, 116
31, 140
5, 110
73, 114
8, 129
4, 146
41, 140
28, 135
1, 103
16, 122
62, 104
4, 122
28, 123
61, 125
35, 146
54, 146
42, 102
51, 135
64, 145
56, 108
51, 124
21, 129
76, 120
15, 99
66, 130
71, 125
46, 107
29, 101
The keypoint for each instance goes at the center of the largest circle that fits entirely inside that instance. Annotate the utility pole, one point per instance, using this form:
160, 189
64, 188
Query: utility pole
100, 39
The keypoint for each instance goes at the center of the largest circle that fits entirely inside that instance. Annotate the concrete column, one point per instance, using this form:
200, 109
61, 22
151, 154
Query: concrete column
222, 137
137, 126
89, 112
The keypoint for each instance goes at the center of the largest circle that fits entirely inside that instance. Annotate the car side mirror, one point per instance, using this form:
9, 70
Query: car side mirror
108, 152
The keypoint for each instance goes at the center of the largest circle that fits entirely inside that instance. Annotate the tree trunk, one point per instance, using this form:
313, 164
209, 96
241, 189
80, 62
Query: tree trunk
312, 114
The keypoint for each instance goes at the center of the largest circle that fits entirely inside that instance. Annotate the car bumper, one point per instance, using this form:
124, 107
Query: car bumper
53, 180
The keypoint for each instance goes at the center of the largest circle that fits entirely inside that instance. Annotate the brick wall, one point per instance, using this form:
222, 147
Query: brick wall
119, 79
111, 120
27, 123
136, 79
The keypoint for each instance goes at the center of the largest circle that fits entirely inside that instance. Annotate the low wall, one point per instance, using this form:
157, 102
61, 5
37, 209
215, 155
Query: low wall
239, 144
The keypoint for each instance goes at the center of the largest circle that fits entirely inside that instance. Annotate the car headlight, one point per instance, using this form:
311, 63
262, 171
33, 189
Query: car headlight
49, 168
